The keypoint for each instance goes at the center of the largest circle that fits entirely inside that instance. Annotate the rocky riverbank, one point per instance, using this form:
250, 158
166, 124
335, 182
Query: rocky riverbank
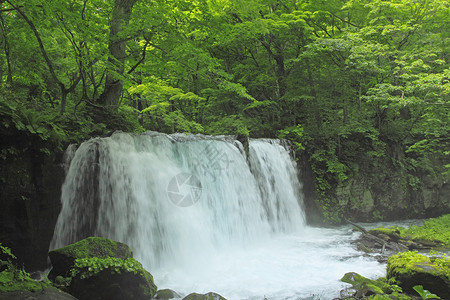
410, 275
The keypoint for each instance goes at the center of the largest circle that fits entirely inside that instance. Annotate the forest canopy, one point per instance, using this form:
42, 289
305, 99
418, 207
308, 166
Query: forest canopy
340, 79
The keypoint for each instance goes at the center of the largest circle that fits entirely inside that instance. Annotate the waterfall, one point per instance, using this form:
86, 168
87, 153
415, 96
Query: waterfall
177, 198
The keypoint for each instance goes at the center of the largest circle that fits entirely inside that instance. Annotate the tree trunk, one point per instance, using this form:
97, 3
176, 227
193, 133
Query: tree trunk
117, 50
314, 95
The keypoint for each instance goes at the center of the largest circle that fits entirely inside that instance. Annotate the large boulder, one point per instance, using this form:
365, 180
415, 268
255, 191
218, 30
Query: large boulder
99, 268
112, 279
410, 269
63, 259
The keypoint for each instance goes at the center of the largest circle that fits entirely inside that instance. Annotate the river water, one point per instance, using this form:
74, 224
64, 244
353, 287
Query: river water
201, 216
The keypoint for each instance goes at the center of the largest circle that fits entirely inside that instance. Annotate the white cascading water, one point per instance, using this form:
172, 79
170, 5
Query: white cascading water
202, 217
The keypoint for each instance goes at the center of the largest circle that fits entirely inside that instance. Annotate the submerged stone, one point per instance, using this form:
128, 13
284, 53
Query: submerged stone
208, 296
166, 294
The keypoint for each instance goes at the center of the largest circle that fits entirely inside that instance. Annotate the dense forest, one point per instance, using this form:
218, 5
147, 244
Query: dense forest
357, 86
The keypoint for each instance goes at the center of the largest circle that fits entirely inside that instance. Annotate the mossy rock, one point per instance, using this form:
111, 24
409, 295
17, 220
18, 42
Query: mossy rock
373, 289
364, 286
166, 294
16, 284
63, 259
47, 293
208, 296
17, 280
387, 234
410, 269
114, 284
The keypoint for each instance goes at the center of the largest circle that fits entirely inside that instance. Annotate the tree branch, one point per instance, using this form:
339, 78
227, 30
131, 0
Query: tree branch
41, 44
142, 58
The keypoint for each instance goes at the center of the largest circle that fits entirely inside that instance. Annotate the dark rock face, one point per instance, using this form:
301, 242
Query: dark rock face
63, 259
380, 188
410, 269
30, 192
108, 285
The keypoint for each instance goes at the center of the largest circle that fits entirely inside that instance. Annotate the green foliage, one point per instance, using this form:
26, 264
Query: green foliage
87, 267
94, 247
228, 125
294, 134
6, 251
22, 116
436, 229
380, 288
344, 80
410, 261
15, 279
424, 293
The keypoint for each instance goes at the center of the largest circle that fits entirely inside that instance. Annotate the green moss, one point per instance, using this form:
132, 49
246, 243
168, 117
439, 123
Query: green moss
91, 266
433, 233
411, 262
410, 269
392, 233
377, 289
10, 282
435, 230
396, 296
386, 231
13, 279
360, 282
95, 246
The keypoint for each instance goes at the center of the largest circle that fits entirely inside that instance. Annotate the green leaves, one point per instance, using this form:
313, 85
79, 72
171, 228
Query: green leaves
87, 267
424, 293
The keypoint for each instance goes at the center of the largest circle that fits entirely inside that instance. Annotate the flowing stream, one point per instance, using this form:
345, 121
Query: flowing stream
201, 216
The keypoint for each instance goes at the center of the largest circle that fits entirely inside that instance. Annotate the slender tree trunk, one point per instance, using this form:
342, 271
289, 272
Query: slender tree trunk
313, 94
6, 49
64, 91
117, 51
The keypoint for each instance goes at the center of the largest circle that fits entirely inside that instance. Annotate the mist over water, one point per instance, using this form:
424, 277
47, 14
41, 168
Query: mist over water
203, 217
